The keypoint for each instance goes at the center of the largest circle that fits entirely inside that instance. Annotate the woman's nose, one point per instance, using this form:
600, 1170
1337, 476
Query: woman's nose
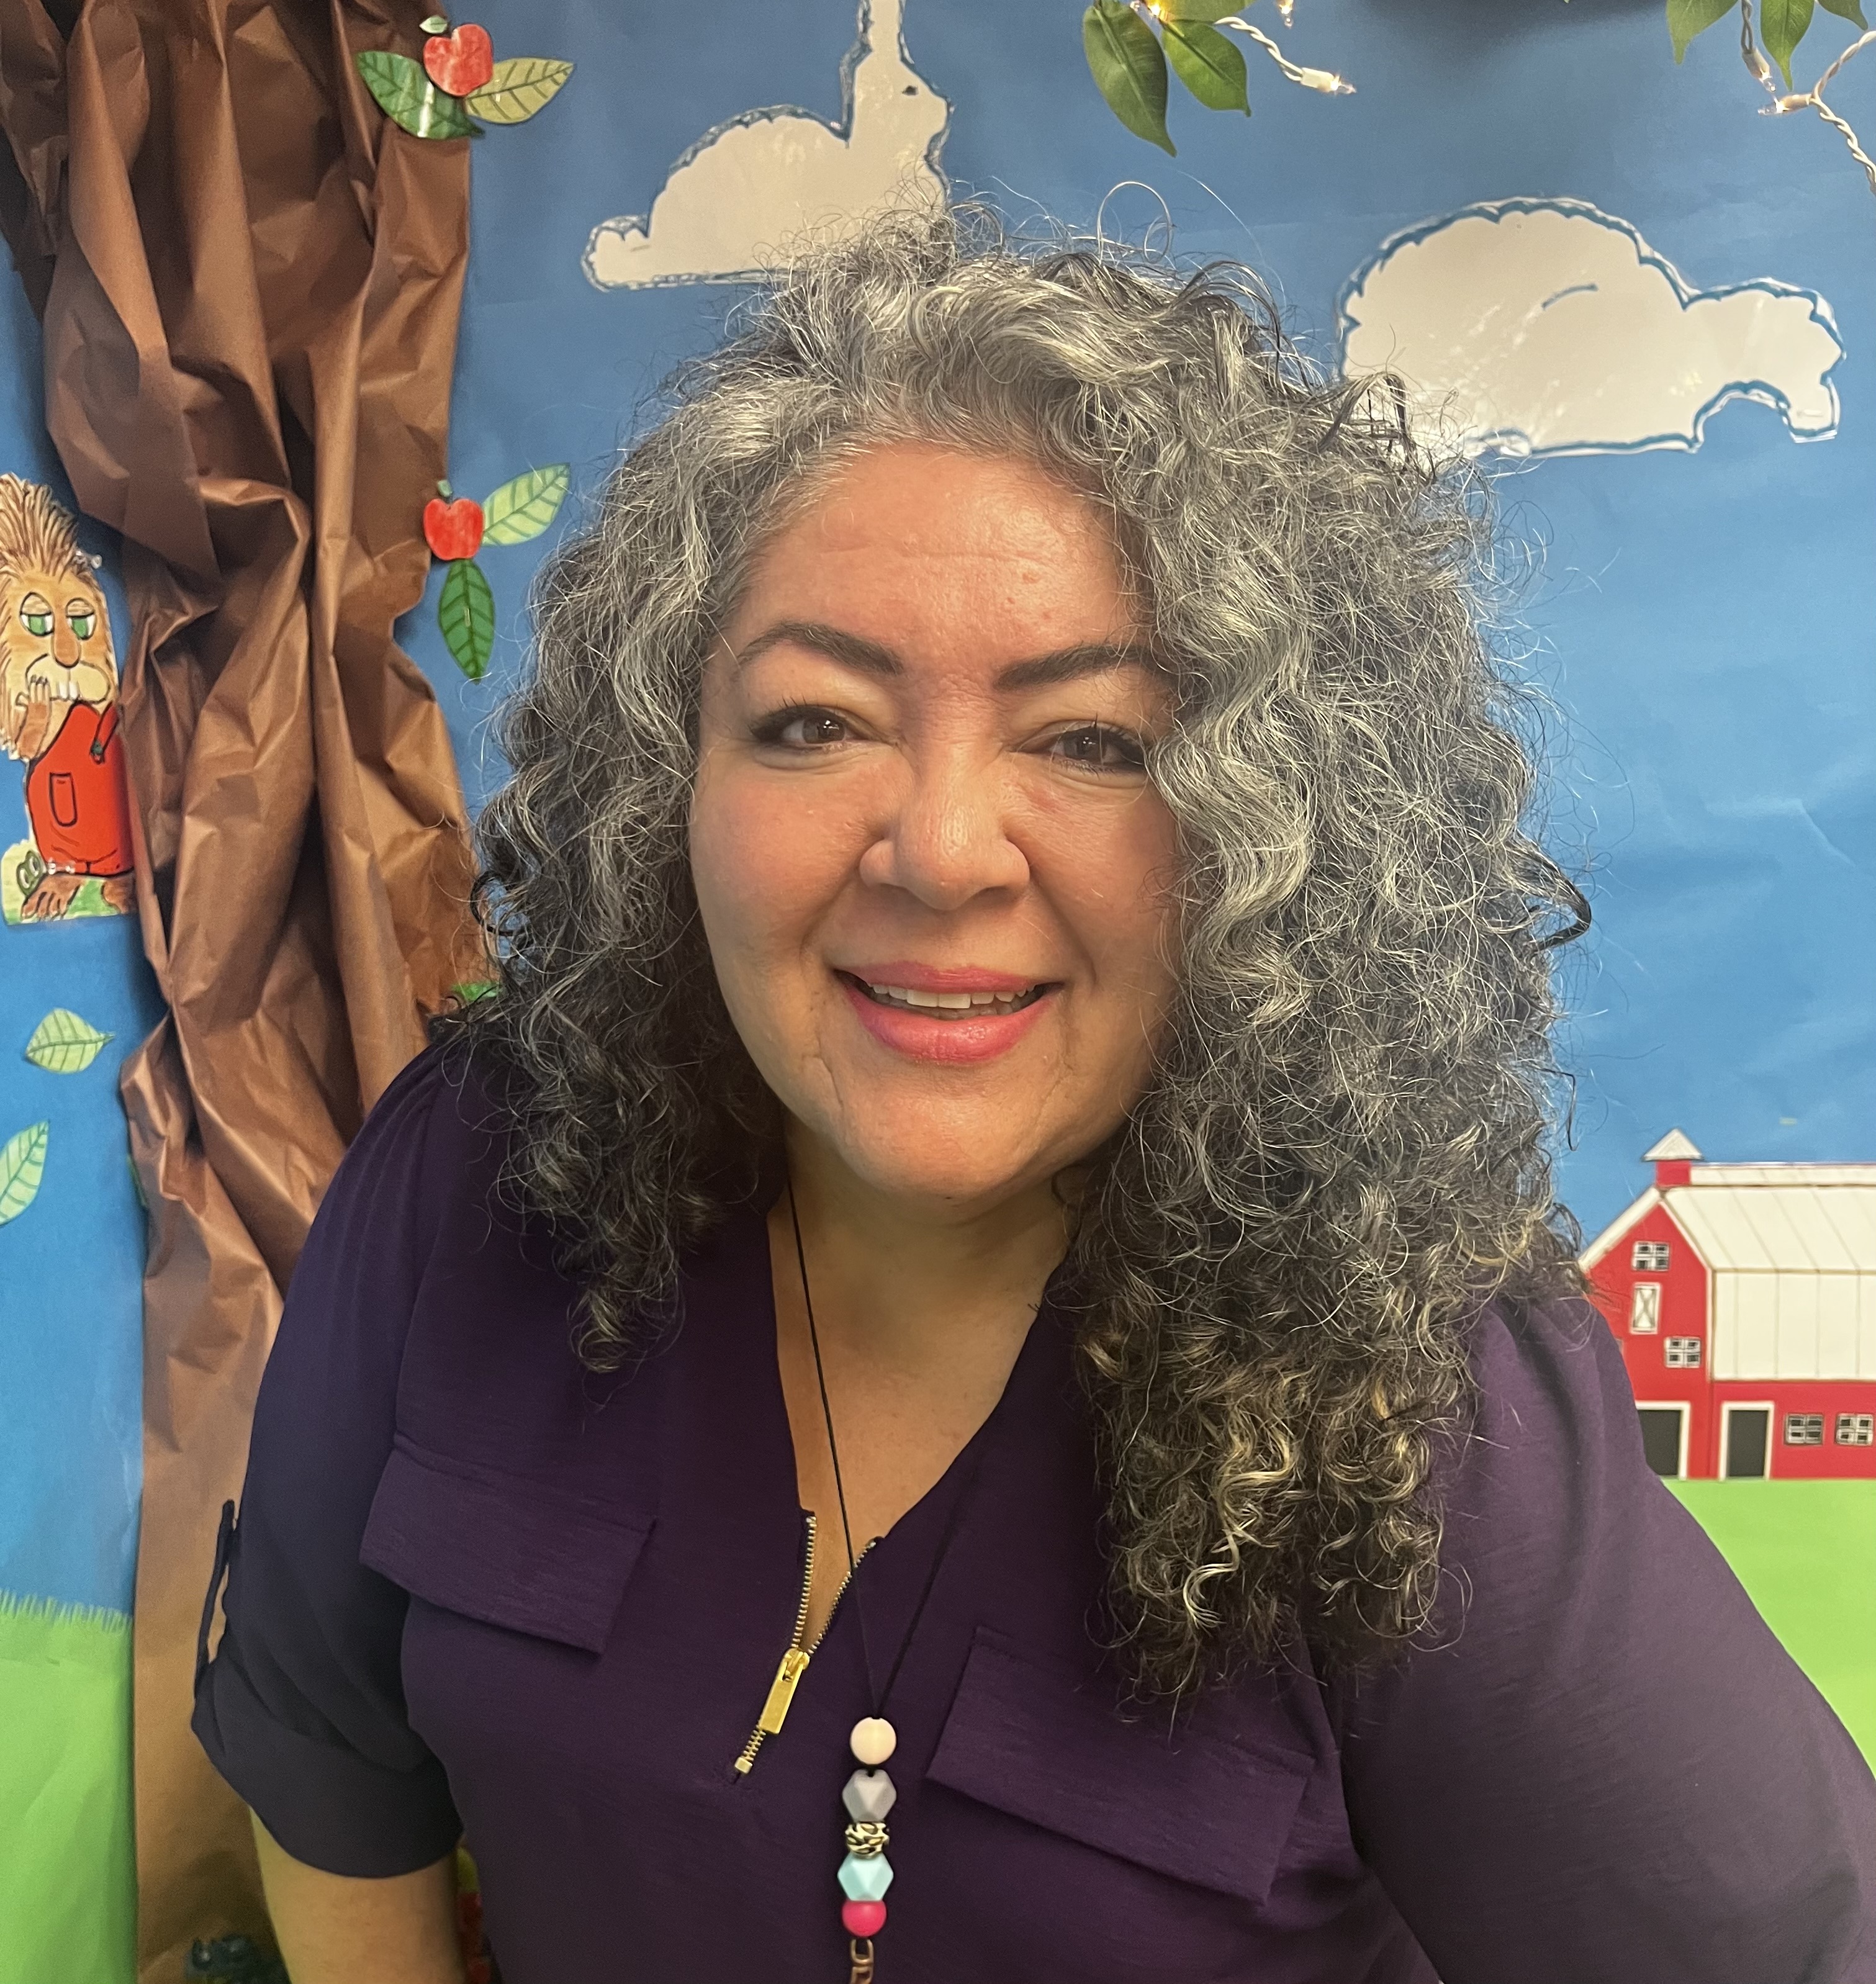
947, 840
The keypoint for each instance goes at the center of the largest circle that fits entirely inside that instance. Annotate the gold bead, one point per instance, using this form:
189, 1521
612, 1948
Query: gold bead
865, 1837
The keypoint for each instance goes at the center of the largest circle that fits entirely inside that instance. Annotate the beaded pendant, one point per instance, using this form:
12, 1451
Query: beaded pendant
866, 1873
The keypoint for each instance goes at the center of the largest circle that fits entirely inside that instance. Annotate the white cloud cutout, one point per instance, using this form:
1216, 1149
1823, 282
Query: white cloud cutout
1547, 327
734, 201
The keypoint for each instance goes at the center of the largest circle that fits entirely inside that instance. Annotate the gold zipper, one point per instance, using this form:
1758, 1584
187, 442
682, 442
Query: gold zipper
795, 1661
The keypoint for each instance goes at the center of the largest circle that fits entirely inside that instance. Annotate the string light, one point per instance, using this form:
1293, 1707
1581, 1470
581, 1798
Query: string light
1782, 105
1324, 82
1321, 79
1756, 66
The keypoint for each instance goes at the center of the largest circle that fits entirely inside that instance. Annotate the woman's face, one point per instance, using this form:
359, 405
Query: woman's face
935, 879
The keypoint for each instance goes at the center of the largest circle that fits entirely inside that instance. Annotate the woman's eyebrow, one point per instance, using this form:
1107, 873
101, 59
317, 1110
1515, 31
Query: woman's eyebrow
1087, 658
855, 651
874, 658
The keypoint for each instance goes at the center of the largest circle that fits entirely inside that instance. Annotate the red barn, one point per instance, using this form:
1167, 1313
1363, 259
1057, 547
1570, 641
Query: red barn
1743, 1297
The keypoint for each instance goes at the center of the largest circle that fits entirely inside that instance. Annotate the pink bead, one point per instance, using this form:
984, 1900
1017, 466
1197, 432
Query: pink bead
873, 1740
863, 1919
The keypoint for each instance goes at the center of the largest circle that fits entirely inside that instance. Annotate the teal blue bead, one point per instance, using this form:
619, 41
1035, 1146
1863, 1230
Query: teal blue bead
865, 1880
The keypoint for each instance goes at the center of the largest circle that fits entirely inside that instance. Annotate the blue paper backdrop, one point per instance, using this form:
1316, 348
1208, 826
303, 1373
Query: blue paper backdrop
72, 1263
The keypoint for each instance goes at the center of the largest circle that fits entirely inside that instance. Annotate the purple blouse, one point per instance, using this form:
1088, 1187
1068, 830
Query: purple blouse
475, 1589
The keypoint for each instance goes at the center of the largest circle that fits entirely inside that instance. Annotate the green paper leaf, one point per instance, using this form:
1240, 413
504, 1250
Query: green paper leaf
1210, 66
1129, 69
1199, 10
518, 88
435, 23
1686, 18
471, 989
524, 508
1781, 27
63, 1043
466, 612
407, 95
22, 1165
1846, 10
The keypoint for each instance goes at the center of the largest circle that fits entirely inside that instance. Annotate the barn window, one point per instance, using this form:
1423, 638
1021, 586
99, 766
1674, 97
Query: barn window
1683, 1353
1649, 1257
1856, 1429
1804, 1428
1645, 1309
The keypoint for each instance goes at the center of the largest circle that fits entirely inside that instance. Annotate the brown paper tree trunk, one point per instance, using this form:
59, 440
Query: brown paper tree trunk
250, 283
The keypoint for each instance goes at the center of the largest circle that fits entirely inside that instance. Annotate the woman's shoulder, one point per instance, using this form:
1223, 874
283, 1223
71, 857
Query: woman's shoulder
1553, 1402
442, 1118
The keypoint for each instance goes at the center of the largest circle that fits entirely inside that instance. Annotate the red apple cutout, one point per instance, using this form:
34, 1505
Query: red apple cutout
453, 529
459, 63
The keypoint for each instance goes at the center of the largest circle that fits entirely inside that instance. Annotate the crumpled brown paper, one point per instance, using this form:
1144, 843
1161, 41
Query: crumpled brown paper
250, 283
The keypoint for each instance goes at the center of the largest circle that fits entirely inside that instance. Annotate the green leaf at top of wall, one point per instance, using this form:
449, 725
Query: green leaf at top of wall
1129, 68
1846, 10
466, 612
63, 1043
1211, 66
518, 88
22, 1166
407, 95
1782, 24
1686, 18
523, 508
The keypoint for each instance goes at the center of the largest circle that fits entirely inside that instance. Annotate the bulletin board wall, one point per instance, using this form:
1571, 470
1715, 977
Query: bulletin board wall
1683, 446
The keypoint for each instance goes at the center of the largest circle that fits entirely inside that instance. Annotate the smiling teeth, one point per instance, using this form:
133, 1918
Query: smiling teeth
949, 1002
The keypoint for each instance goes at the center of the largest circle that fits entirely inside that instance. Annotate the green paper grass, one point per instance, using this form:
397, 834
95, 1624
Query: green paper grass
68, 1863
1806, 1550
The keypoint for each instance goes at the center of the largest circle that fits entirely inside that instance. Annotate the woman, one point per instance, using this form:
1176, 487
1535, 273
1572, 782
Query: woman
982, 1315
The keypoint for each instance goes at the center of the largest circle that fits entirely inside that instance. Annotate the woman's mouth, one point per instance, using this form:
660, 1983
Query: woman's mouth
951, 1006
951, 1026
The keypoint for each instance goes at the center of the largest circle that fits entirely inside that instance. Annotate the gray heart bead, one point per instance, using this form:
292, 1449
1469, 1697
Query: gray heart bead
868, 1795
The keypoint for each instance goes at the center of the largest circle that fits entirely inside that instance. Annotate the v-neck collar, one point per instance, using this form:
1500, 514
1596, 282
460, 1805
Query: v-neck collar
1040, 1353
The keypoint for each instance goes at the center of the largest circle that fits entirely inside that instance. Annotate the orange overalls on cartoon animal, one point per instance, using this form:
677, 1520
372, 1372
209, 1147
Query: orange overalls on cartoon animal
75, 796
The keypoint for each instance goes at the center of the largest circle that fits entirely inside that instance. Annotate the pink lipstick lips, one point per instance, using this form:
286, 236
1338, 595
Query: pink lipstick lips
952, 1014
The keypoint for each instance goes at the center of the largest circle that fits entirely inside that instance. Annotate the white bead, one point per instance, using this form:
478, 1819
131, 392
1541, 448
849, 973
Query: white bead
874, 1739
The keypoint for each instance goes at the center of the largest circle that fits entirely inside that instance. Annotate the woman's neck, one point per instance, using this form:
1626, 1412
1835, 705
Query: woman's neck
907, 1282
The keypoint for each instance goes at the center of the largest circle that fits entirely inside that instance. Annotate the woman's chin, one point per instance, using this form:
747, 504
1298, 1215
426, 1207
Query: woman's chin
910, 1171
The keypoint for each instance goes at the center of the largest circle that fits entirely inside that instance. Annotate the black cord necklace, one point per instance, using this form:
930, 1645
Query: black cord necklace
868, 1794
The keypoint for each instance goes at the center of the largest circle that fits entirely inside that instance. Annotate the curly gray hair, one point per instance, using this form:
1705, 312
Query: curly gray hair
1342, 1149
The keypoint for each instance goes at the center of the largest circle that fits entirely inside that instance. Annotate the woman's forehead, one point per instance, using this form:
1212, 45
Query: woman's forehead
908, 544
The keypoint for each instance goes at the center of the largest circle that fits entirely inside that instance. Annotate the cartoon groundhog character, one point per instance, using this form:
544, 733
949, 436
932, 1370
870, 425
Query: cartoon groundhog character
59, 706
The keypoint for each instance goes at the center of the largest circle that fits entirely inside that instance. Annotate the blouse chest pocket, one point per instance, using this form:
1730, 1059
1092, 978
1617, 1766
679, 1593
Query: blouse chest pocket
501, 1548
1205, 1806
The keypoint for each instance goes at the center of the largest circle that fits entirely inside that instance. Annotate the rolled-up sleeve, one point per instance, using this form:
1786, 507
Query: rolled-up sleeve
302, 1709
1606, 1770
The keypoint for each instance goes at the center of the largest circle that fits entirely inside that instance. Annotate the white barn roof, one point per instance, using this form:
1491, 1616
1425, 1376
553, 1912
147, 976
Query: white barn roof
1760, 1219
1790, 1251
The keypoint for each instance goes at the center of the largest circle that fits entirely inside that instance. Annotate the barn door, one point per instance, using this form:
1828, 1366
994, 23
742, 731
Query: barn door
1664, 1438
1745, 1442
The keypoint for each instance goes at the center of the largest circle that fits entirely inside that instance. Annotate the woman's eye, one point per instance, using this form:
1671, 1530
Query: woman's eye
1101, 748
802, 729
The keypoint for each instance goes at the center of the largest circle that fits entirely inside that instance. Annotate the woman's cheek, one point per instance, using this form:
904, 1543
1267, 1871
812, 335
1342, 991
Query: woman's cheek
767, 860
